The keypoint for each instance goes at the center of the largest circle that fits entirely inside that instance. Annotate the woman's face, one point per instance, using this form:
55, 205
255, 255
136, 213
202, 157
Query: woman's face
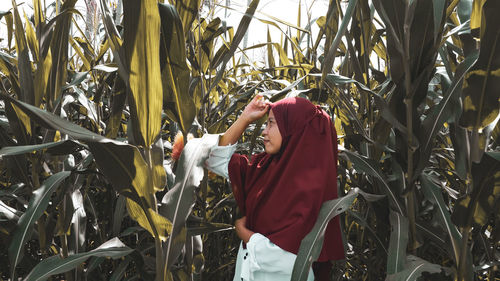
272, 136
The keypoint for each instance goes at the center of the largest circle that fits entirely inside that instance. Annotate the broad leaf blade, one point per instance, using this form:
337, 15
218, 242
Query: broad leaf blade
121, 163
17, 150
413, 269
311, 245
476, 208
141, 41
481, 91
397, 243
175, 73
368, 166
179, 201
113, 248
443, 112
37, 205
432, 192
129, 174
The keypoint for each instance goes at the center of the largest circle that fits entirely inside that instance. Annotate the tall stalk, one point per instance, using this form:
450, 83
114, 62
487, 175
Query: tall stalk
411, 206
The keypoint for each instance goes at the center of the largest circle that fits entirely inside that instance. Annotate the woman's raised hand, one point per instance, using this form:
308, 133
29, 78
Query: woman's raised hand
252, 112
257, 108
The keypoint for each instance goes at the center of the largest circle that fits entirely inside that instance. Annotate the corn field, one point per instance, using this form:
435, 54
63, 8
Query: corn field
92, 101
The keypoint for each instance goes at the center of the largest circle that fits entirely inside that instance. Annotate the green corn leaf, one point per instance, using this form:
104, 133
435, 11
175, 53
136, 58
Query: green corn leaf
17, 150
481, 89
442, 112
368, 166
397, 243
179, 201
37, 205
141, 42
121, 163
432, 192
113, 248
178, 103
311, 245
476, 208
414, 268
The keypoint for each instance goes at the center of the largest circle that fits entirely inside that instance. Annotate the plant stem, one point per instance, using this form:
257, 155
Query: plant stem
462, 264
409, 125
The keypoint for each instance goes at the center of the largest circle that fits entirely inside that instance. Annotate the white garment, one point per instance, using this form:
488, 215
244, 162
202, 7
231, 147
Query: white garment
262, 260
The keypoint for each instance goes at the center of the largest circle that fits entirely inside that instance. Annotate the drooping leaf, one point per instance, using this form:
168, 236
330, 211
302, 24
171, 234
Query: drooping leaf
113, 248
414, 268
141, 41
159, 226
129, 174
368, 166
17, 150
51, 121
397, 243
379, 101
179, 201
432, 192
37, 205
175, 73
477, 207
311, 245
442, 112
121, 163
481, 89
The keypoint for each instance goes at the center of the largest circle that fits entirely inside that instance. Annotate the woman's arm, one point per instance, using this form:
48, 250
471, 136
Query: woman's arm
252, 112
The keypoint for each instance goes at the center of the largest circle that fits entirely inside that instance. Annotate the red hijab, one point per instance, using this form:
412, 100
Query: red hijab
281, 194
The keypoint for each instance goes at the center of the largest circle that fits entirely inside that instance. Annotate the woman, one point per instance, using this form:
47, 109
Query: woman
280, 191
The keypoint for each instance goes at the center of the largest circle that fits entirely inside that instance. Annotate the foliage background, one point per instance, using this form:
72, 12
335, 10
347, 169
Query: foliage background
91, 103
